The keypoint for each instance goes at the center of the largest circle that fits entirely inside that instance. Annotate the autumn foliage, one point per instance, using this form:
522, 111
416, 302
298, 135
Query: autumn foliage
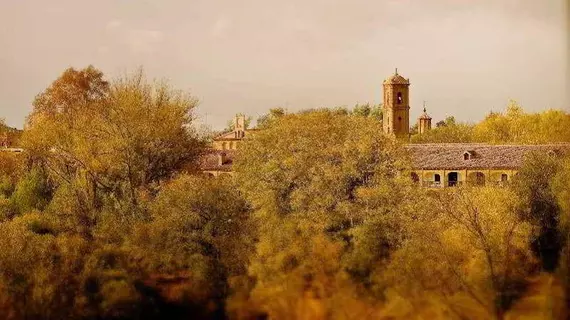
106, 216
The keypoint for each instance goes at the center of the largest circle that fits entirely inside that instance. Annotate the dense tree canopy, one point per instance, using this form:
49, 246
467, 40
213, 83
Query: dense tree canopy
512, 126
104, 216
124, 136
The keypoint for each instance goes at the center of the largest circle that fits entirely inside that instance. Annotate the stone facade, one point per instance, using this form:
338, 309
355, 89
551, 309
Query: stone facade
442, 165
230, 140
219, 159
424, 122
396, 106
433, 165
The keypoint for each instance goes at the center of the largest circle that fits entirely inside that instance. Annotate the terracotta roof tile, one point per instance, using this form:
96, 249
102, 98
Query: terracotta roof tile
425, 116
396, 79
435, 156
484, 156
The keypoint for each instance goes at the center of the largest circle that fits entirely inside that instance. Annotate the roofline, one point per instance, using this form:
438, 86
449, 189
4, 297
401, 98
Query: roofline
559, 144
216, 169
220, 139
465, 168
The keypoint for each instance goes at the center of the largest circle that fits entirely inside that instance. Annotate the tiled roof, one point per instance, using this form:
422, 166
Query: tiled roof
210, 160
436, 156
483, 156
230, 135
425, 116
396, 79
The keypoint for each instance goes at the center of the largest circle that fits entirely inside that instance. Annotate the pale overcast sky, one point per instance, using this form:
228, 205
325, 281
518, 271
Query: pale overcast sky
464, 57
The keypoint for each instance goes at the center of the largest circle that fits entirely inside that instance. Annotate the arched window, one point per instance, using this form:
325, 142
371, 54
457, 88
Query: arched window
437, 178
504, 177
452, 179
399, 97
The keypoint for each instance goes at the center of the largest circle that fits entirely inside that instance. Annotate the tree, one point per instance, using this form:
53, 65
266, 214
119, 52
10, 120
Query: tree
366, 110
320, 151
265, 120
414, 129
72, 91
133, 137
308, 178
447, 133
516, 126
33, 191
561, 190
376, 112
470, 254
363, 110
200, 231
534, 184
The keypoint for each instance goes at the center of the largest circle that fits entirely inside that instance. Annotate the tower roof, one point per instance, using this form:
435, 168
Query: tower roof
396, 79
424, 115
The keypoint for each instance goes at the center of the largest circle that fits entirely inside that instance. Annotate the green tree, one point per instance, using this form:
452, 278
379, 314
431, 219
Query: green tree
199, 227
516, 126
309, 177
265, 120
72, 91
561, 189
470, 254
447, 133
134, 136
33, 191
534, 184
363, 110
366, 110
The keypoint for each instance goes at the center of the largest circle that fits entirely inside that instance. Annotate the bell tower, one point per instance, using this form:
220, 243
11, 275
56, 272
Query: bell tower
396, 107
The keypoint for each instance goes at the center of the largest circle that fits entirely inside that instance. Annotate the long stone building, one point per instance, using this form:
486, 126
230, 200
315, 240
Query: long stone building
440, 165
433, 165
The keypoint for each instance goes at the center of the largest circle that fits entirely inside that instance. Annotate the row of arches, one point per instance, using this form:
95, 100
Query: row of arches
453, 179
229, 145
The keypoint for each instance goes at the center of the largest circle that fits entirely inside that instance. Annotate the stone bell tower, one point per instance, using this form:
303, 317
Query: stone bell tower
396, 108
239, 126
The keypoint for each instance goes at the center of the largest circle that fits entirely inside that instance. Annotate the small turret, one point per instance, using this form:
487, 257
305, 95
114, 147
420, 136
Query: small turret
424, 122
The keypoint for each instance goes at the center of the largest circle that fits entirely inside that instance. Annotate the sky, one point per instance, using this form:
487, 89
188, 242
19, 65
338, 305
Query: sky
464, 58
